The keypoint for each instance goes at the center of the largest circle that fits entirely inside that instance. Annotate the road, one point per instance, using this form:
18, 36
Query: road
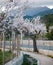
43, 60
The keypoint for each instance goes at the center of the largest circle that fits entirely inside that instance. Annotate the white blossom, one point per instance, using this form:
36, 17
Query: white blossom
34, 27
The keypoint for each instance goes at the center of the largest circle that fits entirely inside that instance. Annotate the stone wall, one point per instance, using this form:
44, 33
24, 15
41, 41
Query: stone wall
44, 46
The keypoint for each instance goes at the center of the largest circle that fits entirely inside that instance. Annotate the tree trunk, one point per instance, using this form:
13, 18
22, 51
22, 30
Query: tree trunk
34, 45
18, 45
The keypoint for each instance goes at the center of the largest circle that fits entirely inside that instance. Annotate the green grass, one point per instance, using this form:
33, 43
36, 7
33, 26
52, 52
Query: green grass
7, 56
0, 57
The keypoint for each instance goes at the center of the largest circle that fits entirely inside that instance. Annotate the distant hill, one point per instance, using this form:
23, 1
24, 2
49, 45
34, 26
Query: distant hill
31, 11
46, 11
47, 19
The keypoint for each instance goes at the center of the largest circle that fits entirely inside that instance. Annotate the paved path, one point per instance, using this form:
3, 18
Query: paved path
44, 60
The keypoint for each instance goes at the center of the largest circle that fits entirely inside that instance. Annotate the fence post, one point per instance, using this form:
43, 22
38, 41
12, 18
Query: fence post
18, 44
3, 47
13, 42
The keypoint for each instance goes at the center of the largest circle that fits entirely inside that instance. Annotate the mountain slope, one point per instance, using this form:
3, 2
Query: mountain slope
31, 11
41, 13
45, 12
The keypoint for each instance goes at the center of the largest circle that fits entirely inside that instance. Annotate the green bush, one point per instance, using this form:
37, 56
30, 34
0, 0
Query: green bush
49, 35
27, 62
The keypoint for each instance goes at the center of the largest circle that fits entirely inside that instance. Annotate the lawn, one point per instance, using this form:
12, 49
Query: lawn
7, 56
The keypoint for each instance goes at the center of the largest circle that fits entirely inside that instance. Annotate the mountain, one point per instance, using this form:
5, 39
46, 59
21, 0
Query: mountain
44, 13
34, 11
31, 12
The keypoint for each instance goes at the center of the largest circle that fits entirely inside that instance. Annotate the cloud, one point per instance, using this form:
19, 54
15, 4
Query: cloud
36, 2
42, 1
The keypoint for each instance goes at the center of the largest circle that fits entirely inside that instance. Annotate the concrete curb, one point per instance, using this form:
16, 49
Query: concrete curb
38, 61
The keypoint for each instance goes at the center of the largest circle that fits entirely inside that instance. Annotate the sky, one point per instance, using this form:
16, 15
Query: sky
34, 3
48, 3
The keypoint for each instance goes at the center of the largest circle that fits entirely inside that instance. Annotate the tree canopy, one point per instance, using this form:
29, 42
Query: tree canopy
48, 20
